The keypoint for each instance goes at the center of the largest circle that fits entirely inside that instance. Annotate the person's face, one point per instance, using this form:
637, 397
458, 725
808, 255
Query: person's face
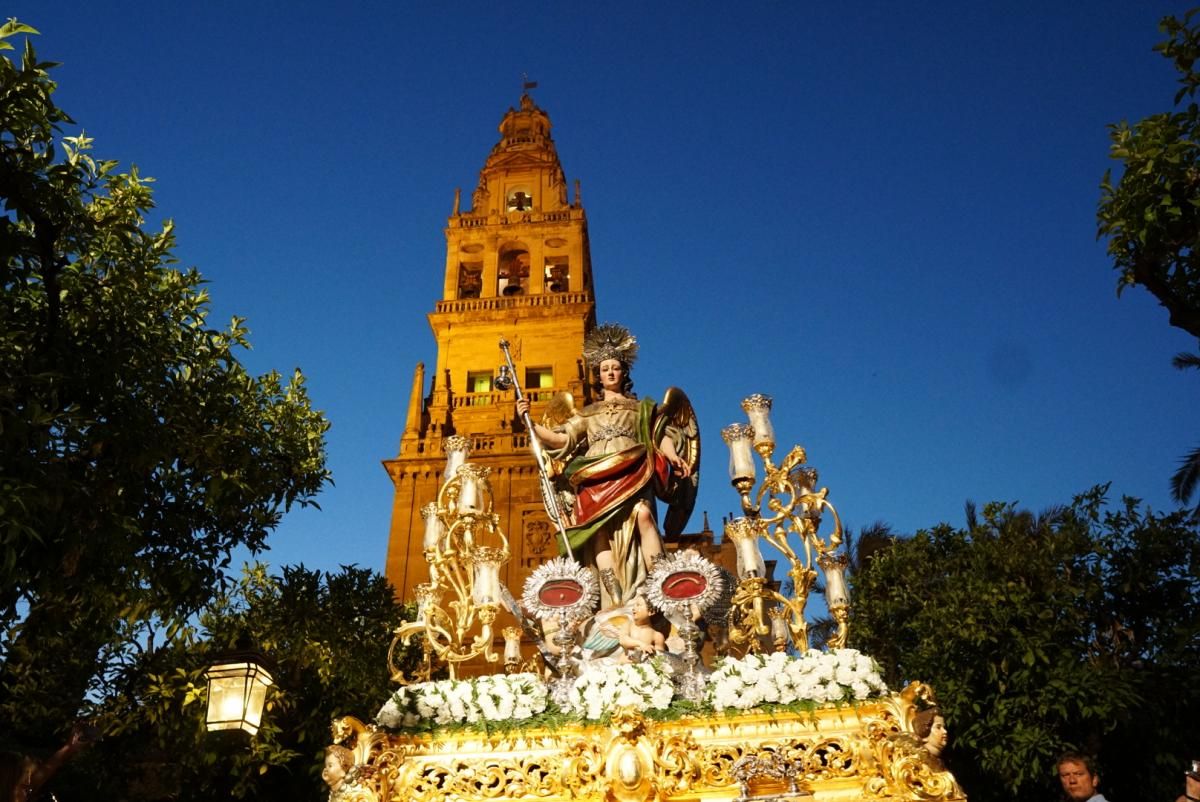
1077, 782
611, 375
333, 772
1192, 786
935, 741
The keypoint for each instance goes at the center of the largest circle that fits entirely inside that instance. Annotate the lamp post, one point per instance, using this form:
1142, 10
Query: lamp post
237, 693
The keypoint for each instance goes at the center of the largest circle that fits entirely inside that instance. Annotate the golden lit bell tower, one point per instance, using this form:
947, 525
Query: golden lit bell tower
518, 268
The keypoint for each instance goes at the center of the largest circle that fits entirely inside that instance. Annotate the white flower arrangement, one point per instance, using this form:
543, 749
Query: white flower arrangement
499, 697
738, 683
778, 678
602, 688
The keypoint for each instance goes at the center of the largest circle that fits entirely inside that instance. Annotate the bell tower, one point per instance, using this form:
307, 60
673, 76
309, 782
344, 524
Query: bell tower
518, 267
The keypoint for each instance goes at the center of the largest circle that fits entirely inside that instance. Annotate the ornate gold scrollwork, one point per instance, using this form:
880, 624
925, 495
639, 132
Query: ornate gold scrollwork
583, 764
362, 781
460, 530
904, 769
868, 752
677, 764
629, 774
786, 511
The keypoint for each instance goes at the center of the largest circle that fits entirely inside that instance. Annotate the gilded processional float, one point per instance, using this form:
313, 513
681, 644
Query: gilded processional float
616, 702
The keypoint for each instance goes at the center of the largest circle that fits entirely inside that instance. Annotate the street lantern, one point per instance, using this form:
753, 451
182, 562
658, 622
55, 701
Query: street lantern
237, 689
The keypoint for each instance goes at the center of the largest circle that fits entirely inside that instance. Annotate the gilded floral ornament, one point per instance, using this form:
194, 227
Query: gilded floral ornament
906, 769
786, 511
850, 753
629, 761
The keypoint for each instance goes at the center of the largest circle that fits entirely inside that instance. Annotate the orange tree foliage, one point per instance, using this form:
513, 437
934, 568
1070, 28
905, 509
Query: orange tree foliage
1077, 628
135, 449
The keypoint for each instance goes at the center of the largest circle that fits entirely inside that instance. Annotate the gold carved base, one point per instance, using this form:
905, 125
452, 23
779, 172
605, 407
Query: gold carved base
865, 752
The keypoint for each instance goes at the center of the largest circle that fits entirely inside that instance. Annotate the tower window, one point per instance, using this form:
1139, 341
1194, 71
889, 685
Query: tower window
539, 378
513, 273
470, 279
519, 201
558, 274
479, 381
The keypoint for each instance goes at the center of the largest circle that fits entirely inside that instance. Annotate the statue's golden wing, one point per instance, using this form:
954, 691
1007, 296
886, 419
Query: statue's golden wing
680, 494
560, 409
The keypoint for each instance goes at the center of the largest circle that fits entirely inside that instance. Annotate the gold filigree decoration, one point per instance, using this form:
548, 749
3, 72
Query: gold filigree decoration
869, 748
677, 765
466, 549
906, 770
629, 774
785, 511
463, 779
583, 765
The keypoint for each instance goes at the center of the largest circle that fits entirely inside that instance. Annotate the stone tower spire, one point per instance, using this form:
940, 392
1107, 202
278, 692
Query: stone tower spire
517, 267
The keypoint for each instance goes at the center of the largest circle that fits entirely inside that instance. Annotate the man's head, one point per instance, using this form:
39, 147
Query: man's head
1078, 777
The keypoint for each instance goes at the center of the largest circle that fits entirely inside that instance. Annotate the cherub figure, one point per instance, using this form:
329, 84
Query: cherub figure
338, 761
637, 636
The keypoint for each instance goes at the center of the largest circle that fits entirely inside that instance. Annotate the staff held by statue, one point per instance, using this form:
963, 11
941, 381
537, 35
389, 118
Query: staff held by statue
507, 379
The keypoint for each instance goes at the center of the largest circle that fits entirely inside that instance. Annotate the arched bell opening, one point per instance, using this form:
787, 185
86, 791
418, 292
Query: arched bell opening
513, 273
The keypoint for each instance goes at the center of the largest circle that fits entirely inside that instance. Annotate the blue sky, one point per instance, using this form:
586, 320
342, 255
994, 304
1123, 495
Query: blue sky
882, 215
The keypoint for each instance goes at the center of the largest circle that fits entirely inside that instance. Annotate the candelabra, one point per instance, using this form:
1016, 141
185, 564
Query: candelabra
465, 549
786, 509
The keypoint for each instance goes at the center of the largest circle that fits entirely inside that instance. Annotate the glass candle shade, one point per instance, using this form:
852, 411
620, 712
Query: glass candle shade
804, 479
758, 409
836, 594
486, 562
433, 527
426, 595
471, 484
739, 437
512, 645
744, 534
779, 625
457, 449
